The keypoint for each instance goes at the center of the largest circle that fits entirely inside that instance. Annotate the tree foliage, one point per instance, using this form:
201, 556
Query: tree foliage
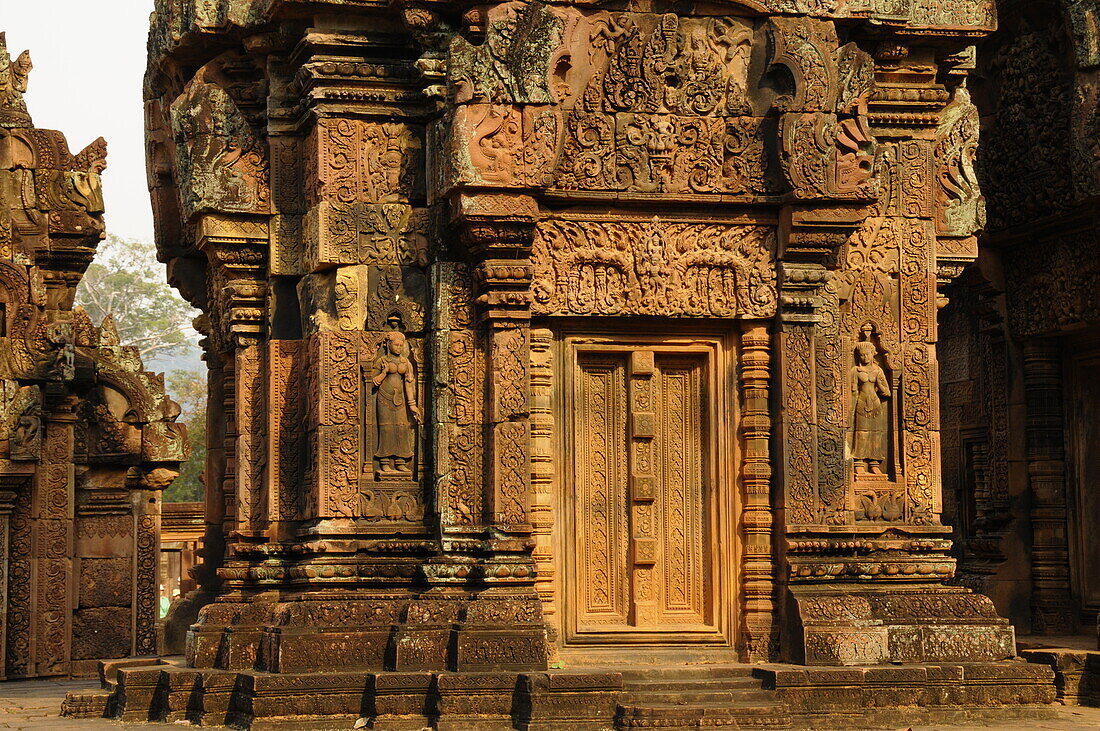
127, 282
188, 389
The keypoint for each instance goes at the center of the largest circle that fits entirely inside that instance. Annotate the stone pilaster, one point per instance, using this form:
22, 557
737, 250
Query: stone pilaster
1053, 609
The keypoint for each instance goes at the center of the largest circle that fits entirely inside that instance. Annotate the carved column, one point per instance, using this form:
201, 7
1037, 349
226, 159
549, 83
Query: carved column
213, 542
7, 505
1053, 609
542, 467
498, 243
760, 635
146, 583
53, 549
19, 640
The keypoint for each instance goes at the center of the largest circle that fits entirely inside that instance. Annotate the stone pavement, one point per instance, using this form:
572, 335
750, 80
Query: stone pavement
34, 704
1070, 718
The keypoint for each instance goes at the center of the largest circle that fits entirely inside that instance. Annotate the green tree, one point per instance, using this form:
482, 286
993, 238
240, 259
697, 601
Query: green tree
188, 389
127, 282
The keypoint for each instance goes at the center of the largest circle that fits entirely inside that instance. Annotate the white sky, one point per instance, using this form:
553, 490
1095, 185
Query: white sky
89, 60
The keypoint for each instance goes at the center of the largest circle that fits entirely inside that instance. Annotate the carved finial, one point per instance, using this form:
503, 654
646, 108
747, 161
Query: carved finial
92, 158
13, 82
108, 332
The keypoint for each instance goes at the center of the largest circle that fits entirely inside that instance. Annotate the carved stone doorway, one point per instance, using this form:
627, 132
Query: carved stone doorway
645, 511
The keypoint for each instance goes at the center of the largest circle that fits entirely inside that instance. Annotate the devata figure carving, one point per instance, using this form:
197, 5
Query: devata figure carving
870, 391
395, 399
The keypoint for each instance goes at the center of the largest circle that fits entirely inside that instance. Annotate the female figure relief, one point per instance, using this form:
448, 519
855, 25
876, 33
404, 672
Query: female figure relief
395, 399
870, 390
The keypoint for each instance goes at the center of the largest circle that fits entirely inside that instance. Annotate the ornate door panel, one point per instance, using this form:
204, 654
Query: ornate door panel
641, 493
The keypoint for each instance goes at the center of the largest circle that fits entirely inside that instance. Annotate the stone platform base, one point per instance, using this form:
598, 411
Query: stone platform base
1076, 673
899, 696
727, 696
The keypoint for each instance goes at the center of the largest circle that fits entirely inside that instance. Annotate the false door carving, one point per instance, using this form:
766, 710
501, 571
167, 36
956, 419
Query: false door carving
643, 492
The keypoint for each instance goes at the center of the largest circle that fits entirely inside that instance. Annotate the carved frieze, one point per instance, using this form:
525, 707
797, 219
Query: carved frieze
365, 233
655, 267
365, 162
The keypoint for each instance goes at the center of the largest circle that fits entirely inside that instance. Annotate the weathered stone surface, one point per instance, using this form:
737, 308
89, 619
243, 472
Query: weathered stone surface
1022, 328
564, 331
105, 582
101, 632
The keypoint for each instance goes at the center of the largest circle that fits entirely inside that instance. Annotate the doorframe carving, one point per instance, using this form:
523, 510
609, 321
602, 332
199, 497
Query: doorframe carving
745, 566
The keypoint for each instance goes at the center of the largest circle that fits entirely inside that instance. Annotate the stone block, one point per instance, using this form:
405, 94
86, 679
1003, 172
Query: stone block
402, 696
422, 648
137, 687
501, 649
579, 701
101, 632
303, 649
105, 582
847, 645
470, 698
203, 645
240, 647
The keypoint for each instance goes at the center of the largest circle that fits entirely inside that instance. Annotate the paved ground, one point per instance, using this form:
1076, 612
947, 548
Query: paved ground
34, 704
1070, 718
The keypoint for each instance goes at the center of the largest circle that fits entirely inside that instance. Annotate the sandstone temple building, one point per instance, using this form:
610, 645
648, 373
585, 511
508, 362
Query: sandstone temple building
593, 364
87, 436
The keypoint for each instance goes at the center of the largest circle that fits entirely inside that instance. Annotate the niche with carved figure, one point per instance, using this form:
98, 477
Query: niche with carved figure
872, 442
390, 488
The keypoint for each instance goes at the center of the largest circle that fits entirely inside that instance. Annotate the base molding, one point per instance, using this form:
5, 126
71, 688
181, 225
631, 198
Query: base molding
1076, 673
869, 625
768, 696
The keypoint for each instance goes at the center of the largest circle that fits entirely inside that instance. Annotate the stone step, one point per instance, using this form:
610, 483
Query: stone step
731, 715
692, 683
108, 669
688, 697
87, 704
688, 672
